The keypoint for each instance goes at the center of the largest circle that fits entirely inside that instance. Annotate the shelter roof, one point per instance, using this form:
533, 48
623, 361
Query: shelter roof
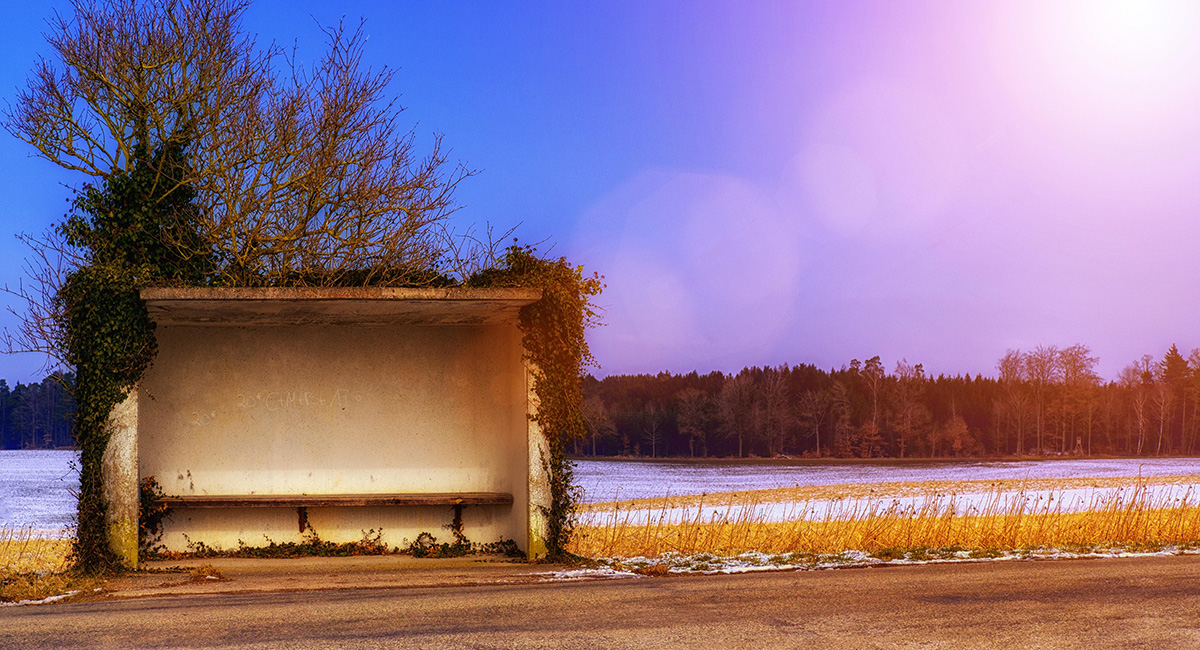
341, 305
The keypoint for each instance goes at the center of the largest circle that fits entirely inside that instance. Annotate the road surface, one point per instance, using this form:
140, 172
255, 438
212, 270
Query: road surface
1094, 604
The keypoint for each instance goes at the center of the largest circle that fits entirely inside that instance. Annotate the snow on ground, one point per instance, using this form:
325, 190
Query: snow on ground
44, 601
37, 490
707, 563
612, 480
1009, 501
36, 487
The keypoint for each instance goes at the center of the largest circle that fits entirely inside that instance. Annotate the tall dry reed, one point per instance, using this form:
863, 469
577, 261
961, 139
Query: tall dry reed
33, 566
23, 550
998, 520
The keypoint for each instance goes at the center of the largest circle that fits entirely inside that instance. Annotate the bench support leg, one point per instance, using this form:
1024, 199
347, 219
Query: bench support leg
457, 525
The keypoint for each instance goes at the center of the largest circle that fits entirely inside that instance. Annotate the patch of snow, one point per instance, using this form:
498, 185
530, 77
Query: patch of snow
709, 564
598, 573
43, 601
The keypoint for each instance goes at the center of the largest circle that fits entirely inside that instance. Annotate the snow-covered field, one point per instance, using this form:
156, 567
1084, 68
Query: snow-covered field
961, 504
37, 487
976, 488
37, 490
610, 480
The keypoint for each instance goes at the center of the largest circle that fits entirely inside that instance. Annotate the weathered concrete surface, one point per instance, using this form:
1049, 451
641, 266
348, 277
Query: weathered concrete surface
352, 305
1057, 605
343, 391
539, 475
119, 467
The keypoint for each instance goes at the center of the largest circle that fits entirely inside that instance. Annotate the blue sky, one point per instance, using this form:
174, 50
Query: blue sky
763, 183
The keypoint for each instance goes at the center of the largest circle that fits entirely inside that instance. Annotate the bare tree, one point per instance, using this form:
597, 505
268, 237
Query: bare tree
909, 412
1016, 407
41, 318
873, 374
302, 175
1041, 371
693, 418
1135, 378
653, 420
597, 419
777, 417
735, 403
1078, 375
813, 408
1163, 402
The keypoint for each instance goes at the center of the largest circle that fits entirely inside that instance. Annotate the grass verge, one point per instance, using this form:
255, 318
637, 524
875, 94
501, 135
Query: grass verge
34, 567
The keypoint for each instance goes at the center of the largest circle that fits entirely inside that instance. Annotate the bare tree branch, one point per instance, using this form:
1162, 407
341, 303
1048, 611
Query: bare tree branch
302, 175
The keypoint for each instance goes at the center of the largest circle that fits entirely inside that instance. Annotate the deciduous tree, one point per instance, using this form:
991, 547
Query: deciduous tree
1041, 371
1016, 407
872, 375
775, 407
909, 413
734, 405
693, 418
596, 418
1077, 372
302, 175
813, 408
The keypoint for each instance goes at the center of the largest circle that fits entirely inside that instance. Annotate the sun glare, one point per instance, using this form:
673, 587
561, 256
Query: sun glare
1128, 41
1103, 69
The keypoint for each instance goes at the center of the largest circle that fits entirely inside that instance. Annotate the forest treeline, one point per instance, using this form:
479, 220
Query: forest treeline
1045, 401
37, 415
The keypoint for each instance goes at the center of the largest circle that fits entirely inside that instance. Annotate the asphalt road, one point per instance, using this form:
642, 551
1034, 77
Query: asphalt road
1094, 604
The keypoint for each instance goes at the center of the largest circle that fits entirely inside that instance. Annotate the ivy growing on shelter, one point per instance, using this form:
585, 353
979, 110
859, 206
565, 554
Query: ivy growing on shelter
553, 331
137, 229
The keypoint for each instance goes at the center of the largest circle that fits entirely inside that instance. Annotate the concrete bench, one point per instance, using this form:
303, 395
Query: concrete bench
301, 502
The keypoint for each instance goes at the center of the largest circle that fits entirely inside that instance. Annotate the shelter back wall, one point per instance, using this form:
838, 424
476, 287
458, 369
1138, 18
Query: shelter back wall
320, 409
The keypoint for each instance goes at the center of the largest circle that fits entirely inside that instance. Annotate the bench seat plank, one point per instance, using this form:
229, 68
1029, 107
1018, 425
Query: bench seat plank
323, 500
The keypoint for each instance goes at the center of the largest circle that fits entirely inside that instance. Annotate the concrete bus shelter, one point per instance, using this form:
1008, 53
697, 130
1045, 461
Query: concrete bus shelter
270, 412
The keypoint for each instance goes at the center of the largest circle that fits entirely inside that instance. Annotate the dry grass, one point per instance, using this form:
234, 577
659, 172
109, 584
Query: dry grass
1130, 516
24, 551
895, 489
34, 567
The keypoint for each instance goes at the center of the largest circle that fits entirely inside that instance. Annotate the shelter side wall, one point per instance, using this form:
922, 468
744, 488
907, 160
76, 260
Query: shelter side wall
319, 409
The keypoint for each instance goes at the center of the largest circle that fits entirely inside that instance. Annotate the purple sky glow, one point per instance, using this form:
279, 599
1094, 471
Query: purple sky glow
771, 182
